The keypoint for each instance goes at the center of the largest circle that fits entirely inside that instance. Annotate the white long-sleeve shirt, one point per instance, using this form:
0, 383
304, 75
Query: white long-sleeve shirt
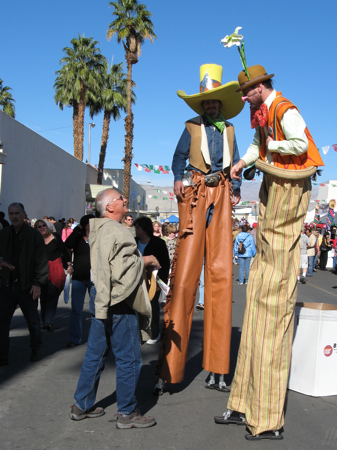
293, 127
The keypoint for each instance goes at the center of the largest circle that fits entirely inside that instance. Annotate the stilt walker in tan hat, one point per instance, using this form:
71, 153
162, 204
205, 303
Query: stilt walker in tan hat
285, 152
205, 200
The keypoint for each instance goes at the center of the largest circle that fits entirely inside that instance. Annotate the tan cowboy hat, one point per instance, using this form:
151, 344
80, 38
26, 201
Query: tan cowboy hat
257, 74
212, 89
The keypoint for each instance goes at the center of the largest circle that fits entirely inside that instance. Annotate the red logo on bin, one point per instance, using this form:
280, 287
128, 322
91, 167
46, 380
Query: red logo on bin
328, 350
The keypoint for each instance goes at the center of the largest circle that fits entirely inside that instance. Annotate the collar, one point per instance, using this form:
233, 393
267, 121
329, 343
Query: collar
270, 99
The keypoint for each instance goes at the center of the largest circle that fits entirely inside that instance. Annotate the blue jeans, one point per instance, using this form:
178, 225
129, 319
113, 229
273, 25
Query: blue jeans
78, 291
119, 332
10, 297
311, 263
244, 267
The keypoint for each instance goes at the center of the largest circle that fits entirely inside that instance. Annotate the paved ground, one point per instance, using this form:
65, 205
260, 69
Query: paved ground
35, 397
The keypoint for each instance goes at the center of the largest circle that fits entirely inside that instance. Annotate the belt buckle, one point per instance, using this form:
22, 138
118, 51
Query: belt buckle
213, 179
187, 179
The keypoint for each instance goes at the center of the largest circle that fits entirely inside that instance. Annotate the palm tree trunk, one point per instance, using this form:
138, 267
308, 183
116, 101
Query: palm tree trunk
80, 128
75, 125
104, 143
128, 132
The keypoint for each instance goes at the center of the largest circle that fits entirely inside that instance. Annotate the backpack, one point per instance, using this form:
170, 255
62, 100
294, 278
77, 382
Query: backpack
242, 249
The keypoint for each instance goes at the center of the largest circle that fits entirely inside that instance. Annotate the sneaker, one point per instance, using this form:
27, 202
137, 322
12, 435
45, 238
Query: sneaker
240, 284
35, 355
303, 280
134, 420
77, 414
153, 341
200, 306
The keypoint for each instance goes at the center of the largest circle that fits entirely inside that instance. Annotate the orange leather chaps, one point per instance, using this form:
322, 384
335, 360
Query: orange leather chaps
194, 242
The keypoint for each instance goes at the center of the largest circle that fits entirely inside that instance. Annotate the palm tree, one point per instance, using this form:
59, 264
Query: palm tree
6, 100
80, 76
132, 26
112, 100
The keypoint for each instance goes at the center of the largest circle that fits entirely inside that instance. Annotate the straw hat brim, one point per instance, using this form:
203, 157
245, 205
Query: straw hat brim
231, 101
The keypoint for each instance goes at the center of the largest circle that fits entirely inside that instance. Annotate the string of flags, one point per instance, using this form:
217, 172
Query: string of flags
327, 147
323, 184
168, 195
156, 169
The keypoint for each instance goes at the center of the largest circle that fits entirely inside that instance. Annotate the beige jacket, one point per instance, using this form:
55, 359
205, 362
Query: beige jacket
312, 244
116, 264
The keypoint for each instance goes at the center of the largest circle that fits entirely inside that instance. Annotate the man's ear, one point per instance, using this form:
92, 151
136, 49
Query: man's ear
110, 207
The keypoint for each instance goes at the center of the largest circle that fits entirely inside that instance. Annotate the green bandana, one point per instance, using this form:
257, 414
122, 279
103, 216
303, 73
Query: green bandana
219, 122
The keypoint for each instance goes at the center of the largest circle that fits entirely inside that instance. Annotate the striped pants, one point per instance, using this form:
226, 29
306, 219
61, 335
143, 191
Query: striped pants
261, 375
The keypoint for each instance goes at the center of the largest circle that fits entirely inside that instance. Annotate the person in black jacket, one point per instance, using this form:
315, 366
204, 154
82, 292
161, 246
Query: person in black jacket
24, 268
152, 245
78, 242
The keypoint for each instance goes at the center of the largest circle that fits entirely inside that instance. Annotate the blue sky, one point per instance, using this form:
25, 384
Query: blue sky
295, 40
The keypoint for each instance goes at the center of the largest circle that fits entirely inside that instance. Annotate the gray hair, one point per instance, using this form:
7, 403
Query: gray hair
102, 201
17, 205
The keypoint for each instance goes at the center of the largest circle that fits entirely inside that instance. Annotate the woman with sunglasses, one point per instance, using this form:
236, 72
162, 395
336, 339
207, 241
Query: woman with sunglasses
58, 260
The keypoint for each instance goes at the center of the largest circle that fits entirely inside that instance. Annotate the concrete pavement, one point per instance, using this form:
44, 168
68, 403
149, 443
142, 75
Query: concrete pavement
35, 398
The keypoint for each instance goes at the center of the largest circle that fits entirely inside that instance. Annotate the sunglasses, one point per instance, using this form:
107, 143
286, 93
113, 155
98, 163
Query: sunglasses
118, 198
42, 226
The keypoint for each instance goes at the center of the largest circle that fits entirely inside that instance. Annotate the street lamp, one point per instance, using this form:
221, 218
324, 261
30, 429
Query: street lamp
91, 125
139, 199
157, 209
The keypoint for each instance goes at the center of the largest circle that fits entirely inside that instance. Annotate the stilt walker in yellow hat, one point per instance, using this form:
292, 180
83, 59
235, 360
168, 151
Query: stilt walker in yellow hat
203, 189
285, 152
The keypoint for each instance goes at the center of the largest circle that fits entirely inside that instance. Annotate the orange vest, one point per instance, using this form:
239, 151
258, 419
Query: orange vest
293, 162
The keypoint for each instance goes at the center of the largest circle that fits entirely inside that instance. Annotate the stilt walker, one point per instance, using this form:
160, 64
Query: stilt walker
205, 199
285, 152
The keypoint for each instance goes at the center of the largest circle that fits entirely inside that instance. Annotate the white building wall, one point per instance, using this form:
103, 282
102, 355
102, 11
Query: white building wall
37, 173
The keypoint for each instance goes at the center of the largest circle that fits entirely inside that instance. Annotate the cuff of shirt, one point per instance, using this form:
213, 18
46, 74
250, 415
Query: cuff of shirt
178, 178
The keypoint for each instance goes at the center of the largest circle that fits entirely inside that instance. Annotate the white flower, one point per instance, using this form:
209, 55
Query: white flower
232, 39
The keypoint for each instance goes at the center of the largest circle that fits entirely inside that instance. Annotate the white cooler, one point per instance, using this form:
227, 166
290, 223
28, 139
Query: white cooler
313, 369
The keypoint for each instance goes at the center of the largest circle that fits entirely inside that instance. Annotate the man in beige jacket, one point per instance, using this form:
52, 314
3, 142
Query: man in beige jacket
117, 269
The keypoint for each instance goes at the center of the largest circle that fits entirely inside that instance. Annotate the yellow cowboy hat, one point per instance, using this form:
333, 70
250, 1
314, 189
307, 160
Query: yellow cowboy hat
212, 89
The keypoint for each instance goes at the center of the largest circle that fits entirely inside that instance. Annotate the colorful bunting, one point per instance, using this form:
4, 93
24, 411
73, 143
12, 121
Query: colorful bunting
334, 147
325, 149
156, 169
159, 191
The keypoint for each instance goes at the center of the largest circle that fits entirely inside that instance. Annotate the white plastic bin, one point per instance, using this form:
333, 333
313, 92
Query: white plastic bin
313, 369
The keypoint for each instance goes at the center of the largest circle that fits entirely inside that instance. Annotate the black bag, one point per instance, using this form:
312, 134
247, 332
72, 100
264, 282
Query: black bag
242, 249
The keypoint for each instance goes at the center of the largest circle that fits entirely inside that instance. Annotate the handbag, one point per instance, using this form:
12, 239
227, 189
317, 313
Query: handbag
242, 248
